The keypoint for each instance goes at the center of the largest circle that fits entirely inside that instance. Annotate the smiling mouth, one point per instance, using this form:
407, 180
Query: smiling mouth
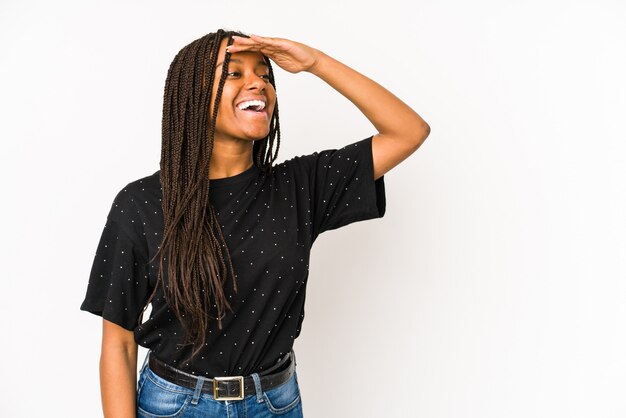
250, 109
253, 104
254, 113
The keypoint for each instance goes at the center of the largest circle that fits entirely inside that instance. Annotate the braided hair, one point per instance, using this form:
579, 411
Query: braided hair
194, 258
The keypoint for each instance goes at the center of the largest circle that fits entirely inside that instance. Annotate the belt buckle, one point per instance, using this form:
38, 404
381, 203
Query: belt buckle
216, 381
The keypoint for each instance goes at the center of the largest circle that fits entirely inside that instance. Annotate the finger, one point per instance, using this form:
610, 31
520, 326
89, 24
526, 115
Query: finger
239, 48
241, 43
262, 40
259, 38
239, 38
252, 47
254, 43
244, 40
250, 37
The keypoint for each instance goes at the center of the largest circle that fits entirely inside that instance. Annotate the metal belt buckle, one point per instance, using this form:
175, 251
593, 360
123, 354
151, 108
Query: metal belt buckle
216, 381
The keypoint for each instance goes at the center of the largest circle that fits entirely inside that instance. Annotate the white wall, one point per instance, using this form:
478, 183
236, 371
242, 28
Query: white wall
494, 285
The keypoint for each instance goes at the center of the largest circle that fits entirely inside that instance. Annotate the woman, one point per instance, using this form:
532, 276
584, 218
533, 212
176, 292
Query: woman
218, 239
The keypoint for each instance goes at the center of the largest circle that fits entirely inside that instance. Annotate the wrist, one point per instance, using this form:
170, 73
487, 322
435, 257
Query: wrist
321, 60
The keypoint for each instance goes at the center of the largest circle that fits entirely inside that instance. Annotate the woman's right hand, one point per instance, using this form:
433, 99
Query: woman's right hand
289, 55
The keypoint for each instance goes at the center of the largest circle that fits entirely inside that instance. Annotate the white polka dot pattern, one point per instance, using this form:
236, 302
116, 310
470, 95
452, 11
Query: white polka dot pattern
269, 222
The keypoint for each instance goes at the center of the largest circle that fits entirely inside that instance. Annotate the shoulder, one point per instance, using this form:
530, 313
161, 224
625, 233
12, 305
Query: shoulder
322, 159
148, 183
134, 195
137, 188
301, 162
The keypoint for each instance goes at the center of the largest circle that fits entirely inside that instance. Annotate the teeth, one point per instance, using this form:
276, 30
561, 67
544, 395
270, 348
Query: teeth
243, 105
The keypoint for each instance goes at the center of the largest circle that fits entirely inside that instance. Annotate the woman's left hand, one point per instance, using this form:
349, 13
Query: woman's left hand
289, 55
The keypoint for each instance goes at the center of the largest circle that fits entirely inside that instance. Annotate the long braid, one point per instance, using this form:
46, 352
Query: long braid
264, 158
194, 260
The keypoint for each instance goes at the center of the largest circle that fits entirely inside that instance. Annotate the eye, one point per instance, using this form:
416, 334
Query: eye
237, 73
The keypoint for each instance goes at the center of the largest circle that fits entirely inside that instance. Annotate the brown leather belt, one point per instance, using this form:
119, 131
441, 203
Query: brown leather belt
227, 387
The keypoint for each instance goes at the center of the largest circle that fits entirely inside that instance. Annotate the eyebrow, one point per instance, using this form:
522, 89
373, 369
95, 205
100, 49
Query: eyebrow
261, 62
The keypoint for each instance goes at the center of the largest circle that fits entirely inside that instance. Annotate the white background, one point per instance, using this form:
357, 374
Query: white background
494, 284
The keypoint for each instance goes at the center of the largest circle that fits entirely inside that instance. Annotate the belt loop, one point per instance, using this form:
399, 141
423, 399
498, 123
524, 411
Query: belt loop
257, 385
145, 361
198, 391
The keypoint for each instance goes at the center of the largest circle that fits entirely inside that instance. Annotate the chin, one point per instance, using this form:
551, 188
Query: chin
258, 136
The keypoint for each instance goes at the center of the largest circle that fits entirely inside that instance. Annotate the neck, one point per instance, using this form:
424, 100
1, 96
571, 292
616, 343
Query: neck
229, 159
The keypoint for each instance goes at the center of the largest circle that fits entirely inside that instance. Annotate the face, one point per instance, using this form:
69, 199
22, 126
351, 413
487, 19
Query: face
247, 79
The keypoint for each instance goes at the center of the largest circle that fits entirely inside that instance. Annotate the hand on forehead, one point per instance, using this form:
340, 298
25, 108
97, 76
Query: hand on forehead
222, 52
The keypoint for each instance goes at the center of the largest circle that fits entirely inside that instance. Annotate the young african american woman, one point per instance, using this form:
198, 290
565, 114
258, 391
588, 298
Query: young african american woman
232, 232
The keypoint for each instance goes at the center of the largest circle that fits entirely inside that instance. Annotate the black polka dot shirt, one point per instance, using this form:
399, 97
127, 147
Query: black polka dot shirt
269, 223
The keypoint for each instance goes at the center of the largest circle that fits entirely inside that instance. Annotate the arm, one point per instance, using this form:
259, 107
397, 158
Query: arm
401, 130
118, 371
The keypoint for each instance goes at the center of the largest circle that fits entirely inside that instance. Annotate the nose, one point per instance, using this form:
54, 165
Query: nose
255, 82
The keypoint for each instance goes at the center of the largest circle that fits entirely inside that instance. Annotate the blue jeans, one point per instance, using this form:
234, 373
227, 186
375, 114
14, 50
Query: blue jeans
160, 398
